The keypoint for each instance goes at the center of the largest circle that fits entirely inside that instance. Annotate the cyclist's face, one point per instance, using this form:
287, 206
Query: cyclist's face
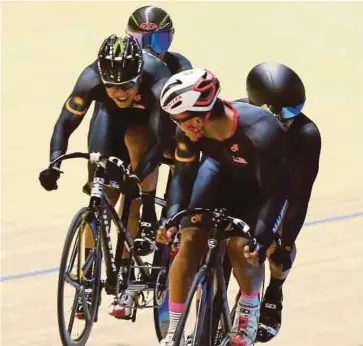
193, 127
122, 97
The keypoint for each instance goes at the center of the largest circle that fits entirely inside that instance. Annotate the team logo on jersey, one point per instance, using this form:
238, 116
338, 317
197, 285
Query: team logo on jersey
240, 160
148, 26
196, 218
76, 105
182, 146
234, 148
137, 105
78, 100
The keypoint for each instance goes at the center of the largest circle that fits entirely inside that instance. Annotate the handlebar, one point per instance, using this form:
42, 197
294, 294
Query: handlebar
239, 228
93, 158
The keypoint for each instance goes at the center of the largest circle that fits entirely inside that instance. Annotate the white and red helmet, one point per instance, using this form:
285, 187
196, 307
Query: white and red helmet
194, 90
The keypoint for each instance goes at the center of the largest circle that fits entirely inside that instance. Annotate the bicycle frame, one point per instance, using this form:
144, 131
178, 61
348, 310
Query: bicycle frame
211, 268
212, 305
105, 211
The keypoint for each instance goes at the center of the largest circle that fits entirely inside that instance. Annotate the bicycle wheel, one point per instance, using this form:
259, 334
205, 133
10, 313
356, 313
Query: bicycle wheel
161, 293
200, 334
79, 281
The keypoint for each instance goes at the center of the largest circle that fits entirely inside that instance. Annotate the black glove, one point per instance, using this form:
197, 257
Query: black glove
48, 178
282, 256
130, 187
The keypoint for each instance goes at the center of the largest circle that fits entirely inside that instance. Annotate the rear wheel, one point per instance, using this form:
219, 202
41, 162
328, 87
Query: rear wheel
79, 281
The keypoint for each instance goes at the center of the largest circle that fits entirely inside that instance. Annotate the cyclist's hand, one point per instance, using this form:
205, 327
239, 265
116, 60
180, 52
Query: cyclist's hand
48, 178
254, 255
165, 236
280, 258
130, 186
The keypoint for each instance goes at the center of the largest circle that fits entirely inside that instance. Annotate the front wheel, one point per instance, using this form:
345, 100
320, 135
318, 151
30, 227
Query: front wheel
161, 293
195, 330
79, 281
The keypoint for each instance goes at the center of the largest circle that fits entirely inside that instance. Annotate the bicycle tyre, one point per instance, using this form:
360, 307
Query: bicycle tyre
161, 311
201, 329
82, 215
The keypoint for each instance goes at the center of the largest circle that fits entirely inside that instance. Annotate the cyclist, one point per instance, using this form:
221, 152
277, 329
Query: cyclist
126, 82
241, 169
278, 88
153, 28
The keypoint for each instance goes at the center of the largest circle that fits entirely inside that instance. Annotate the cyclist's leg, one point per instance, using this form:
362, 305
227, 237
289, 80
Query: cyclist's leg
271, 306
99, 140
249, 277
137, 139
193, 241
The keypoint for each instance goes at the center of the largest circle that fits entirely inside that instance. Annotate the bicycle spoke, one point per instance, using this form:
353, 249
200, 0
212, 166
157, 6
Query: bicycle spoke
87, 314
80, 253
89, 262
73, 313
73, 256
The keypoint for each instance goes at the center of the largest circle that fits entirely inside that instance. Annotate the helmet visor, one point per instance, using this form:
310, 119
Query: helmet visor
130, 84
159, 41
291, 112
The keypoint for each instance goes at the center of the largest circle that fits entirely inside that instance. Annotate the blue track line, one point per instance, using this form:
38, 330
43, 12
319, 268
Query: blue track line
55, 270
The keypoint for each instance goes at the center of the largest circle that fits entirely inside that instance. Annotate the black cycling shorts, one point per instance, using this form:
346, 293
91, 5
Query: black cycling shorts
107, 135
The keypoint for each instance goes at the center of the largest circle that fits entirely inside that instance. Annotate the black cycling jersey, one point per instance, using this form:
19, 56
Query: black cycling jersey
163, 131
89, 87
176, 62
165, 136
253, 156
302, 155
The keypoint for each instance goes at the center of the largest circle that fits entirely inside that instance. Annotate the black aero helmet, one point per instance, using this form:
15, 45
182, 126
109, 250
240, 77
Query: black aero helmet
150, 18
152, 27
277, 86
120, 60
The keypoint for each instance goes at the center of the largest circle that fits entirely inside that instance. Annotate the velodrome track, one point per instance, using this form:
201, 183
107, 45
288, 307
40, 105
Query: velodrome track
45, 45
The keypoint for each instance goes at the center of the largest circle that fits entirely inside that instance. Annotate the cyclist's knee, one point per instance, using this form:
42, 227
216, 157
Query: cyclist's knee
137, 142
193, 242
134, 211
150, 182
236, 247
112, 194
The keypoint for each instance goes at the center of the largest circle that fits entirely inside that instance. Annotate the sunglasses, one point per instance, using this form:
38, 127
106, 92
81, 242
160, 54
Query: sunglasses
159, 41
291, 112
286, 113
188, 117
133, 83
